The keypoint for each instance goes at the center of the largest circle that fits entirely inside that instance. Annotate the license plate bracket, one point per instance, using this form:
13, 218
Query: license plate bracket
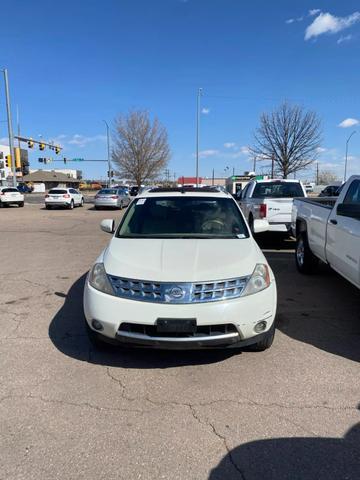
176, 325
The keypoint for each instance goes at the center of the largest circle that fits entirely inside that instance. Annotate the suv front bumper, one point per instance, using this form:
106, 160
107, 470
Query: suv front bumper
243, 313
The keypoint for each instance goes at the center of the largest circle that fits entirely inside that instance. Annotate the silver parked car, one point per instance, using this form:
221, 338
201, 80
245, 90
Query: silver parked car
112, 198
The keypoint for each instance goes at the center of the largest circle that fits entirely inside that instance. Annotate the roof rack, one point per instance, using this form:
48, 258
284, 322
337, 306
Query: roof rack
184, 189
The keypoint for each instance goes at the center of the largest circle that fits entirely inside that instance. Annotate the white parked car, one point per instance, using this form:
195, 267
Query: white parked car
63, 197
182, 270
112, 198
11, 196
271, 201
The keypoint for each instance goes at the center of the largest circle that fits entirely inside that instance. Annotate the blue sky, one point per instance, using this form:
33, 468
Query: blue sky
72, 66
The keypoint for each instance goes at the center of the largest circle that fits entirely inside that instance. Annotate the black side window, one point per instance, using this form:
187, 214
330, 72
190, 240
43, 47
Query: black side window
353, 194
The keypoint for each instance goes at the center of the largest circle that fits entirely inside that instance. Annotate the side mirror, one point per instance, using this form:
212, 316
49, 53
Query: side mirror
351, 210
260, 226
108, 225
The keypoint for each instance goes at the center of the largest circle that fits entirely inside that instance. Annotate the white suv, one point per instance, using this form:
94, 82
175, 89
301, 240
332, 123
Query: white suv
11, 196
181, 271
63, 197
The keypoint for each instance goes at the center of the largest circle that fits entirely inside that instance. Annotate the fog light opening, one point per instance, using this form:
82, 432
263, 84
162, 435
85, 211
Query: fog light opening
97, 325
260, 326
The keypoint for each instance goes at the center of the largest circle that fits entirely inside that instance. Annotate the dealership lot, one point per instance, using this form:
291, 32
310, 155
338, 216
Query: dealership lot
68, 411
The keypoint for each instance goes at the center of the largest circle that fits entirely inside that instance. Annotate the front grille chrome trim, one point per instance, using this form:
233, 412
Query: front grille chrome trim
178, 293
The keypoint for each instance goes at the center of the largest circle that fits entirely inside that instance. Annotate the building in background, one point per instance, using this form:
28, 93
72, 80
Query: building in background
77, 174
50, 179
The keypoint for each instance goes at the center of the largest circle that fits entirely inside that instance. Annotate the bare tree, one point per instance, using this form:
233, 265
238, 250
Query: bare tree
141, 149
326, 176
290, 137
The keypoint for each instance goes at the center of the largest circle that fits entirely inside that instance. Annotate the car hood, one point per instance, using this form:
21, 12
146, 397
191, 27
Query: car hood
181, 260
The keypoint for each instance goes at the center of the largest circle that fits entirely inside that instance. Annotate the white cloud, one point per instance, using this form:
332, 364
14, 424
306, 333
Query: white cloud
82, 141
205, 111
344, 38
292, 20
321, 149
4, 141
229, 144
327, 23
314, 12
348, 122
208, 153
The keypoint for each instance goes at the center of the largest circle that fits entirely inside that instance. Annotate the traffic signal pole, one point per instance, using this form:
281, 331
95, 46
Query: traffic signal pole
10, 130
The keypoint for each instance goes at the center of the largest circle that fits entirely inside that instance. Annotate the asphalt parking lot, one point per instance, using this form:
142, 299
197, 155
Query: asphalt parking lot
69, 412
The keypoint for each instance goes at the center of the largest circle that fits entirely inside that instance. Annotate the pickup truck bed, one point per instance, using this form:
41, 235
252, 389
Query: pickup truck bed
328, 229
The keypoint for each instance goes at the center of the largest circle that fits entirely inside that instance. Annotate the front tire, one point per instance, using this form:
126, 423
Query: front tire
81, 203
305, 260
21, 204
71, 206
266, 342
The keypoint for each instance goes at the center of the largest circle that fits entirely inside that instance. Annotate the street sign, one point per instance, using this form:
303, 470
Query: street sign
78, 159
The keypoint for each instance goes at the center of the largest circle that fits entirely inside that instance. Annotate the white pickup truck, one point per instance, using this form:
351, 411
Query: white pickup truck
328, 229
270, 201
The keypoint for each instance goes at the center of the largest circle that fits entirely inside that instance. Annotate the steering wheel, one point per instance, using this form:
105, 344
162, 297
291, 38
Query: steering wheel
213, 226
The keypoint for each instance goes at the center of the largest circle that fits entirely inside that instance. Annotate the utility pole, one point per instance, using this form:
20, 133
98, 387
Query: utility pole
108, 151
233, 171
198, 134
10, 130
213, 175
254, 168
317, 173
346, 153
272, 165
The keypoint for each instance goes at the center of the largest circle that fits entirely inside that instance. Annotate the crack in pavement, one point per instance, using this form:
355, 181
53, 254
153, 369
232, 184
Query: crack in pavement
73, 404
228, 449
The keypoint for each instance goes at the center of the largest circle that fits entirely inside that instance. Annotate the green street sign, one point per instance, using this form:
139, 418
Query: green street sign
78, 159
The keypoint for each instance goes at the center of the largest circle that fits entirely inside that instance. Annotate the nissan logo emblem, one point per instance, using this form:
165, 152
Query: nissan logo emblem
176, 292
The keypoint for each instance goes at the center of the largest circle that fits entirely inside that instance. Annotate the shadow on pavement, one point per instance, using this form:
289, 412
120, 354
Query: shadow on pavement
322, 309
275, 241
305, 458
68, 334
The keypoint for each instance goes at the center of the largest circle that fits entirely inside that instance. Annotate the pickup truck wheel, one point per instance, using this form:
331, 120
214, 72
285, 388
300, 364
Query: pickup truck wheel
266, 342
306, 262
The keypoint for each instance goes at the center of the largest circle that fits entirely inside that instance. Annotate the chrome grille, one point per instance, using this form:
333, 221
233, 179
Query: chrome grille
178, 293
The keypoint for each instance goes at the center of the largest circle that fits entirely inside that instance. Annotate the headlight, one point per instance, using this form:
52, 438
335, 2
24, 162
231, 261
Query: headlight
98, 279
259, 280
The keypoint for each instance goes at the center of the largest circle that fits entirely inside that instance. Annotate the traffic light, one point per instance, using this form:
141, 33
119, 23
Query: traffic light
17, 159
111, 173
57, 150
65, 160
30, 143
8, 161
41, 160
41, 146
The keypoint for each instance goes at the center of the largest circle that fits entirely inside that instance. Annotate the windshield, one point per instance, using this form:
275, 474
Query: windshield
278, 190
108, 191
183, 217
